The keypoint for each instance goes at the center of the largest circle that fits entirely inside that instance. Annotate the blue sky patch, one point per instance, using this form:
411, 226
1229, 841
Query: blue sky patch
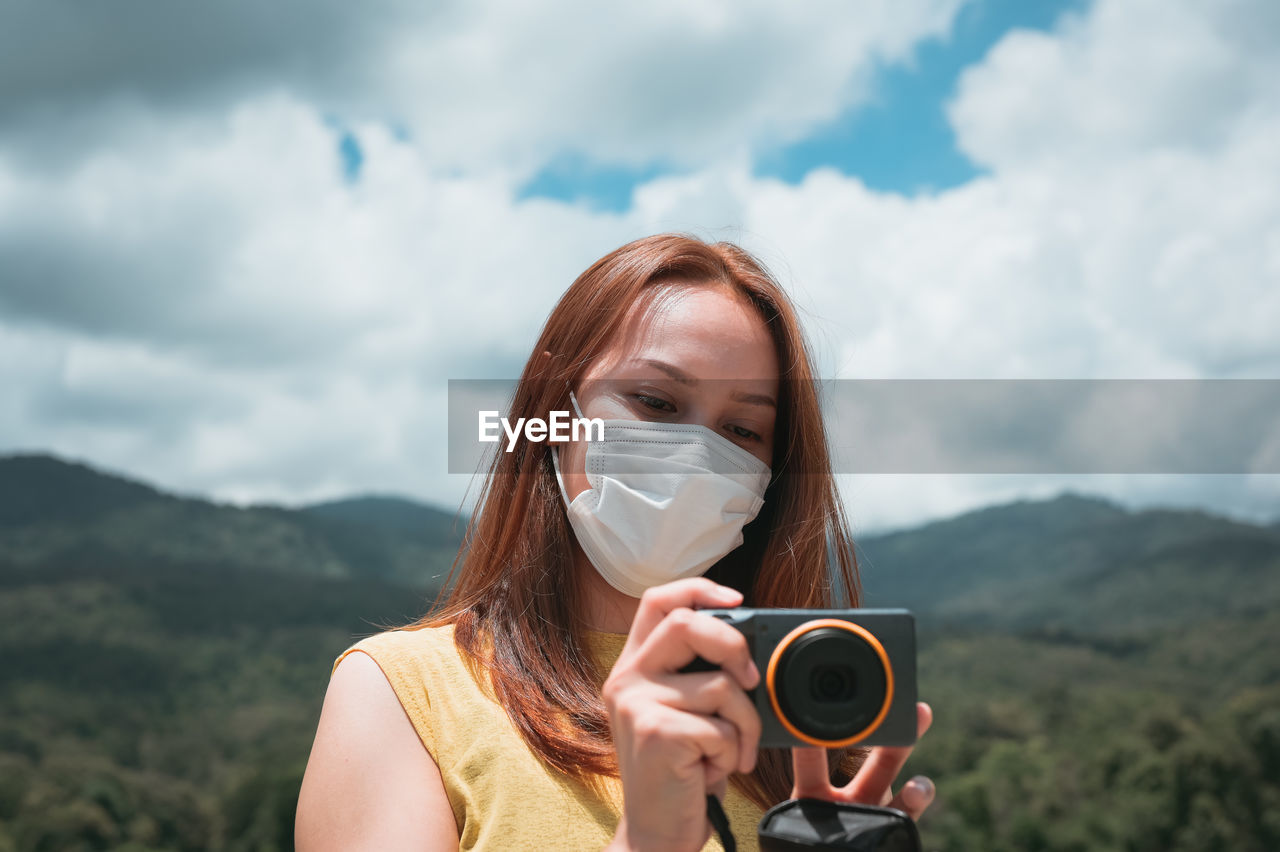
575, 178
350, 154
900, 142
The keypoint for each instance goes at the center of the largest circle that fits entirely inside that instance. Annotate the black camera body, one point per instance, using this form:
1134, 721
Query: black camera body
830, 677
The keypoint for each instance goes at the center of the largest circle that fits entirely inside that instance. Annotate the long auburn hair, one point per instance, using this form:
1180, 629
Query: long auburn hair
513, 600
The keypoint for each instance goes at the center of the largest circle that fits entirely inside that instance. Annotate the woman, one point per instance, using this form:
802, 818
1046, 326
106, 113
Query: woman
541, 704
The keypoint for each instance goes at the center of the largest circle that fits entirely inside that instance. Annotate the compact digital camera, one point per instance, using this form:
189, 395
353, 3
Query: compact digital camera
830, 677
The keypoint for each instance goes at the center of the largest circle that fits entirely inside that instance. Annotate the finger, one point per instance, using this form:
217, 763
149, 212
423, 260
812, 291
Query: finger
883, 765
716, 694
688, 593
716, 739
684, 635
812, 774
914, 797
924, 718
689, 743
876, 775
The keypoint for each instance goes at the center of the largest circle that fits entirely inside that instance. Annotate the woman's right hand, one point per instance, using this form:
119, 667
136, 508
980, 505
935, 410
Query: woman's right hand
679, 735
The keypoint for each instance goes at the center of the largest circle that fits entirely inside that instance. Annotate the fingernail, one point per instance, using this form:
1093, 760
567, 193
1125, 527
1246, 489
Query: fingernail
753, 673
924, 785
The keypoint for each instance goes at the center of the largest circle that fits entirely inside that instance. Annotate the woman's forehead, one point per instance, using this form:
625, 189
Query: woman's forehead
707, 332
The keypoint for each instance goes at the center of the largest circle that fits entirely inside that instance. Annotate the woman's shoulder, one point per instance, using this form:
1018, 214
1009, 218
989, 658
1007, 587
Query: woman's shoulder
366, 783
428, 675
406, 646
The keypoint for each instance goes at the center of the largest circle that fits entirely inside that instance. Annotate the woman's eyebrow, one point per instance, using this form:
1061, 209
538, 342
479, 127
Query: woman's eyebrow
674, 372
753, 399
685, 379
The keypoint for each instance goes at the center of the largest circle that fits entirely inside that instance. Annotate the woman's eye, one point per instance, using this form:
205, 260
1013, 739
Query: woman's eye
654, 402
743, 432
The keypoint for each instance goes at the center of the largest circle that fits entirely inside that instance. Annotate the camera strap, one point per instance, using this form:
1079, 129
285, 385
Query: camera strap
720, 822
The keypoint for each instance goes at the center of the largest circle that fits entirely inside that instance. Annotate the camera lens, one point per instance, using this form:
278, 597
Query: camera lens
829, 682
832, 683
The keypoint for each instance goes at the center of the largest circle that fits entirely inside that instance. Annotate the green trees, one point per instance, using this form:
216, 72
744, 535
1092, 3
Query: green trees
1122, 767
1101, 680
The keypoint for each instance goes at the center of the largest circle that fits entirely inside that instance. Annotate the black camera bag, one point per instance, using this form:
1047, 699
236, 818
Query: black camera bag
809, 824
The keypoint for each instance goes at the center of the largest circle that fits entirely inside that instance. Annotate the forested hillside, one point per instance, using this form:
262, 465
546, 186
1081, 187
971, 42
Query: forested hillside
1102, 679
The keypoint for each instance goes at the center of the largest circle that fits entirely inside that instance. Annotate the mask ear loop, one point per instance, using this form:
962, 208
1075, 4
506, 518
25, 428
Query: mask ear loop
555, 463
555, 453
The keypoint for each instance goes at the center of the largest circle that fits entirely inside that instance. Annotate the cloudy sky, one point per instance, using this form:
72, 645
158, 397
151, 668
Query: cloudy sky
244, 246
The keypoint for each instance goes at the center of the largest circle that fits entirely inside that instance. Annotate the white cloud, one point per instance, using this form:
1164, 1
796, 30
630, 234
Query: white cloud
498, 87
1130, 76
683, 84
214, 307
883, 502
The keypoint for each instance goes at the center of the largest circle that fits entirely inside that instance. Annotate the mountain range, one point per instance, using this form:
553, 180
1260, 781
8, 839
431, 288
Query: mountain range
1070, 563
1102, 678
49, 506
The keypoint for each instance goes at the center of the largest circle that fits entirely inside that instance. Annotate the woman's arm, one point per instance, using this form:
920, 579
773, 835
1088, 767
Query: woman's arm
370, 784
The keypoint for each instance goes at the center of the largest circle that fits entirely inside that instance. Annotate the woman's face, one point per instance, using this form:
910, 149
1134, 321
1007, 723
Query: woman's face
699, 355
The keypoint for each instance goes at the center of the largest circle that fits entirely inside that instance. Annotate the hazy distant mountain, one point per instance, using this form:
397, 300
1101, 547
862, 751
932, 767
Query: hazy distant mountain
1075, 563
395, 514
49, 506
1068, 563
42, 489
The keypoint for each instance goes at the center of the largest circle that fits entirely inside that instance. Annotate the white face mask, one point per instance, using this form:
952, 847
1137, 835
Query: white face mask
667, 501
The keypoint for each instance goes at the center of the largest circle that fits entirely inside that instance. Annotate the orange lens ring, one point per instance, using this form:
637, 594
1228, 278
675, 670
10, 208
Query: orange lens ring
857, 630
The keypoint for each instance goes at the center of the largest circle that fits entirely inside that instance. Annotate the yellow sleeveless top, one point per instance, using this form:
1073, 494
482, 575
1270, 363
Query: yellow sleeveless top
503, 796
